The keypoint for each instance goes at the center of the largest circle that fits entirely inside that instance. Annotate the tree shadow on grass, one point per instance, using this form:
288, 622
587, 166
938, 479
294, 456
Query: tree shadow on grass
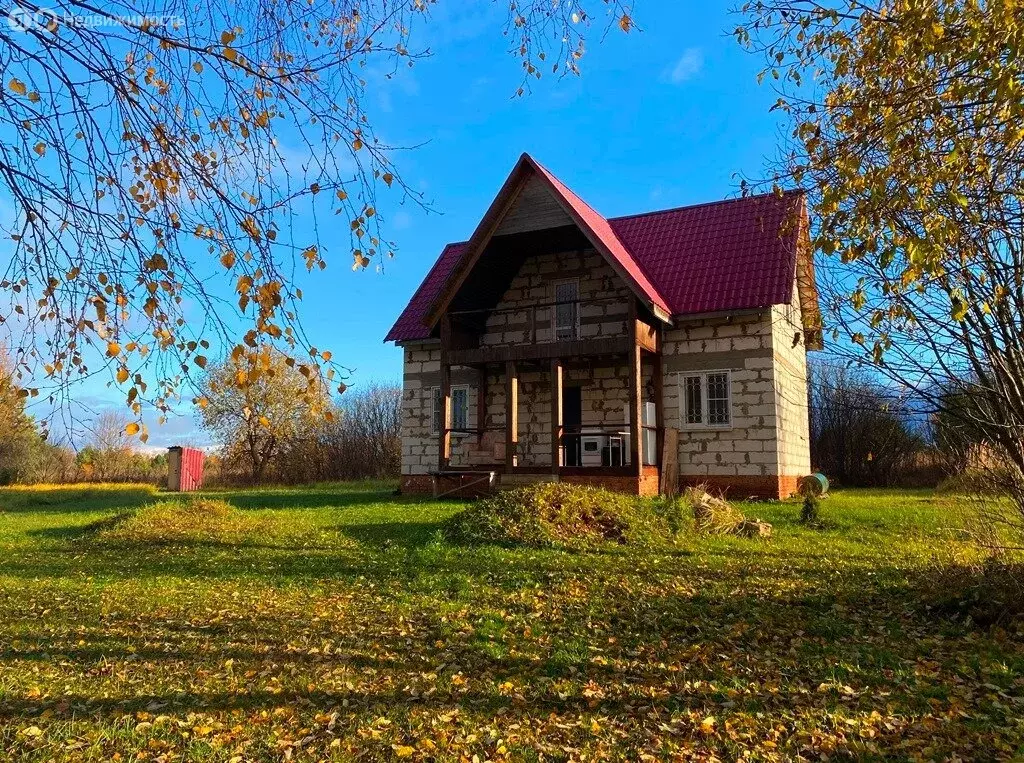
75, 499
387, 534
314, 499
71, 533
646, 642
328, 496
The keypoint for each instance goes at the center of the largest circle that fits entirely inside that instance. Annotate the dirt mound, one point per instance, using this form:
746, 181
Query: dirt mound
184, 520
558, 514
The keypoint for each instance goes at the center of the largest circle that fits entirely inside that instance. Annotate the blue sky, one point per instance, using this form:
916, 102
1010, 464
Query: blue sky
661, 117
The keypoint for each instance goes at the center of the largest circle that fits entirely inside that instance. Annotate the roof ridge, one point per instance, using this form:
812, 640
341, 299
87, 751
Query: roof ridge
703, 204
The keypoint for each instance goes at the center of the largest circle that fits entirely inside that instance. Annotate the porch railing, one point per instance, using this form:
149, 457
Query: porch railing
470, 447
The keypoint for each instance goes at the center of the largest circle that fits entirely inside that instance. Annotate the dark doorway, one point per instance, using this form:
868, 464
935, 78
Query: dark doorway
572, 420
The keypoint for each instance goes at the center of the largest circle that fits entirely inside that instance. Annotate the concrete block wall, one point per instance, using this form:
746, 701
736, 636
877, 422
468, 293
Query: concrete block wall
789, 354
743, 347
421, 373
535, 284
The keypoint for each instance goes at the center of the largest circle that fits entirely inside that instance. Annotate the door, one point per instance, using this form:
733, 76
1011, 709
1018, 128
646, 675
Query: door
572, 420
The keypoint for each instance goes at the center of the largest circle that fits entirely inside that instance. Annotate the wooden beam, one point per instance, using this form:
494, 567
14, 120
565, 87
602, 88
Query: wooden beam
636, 448
574, 348
659, 407
481, 402
636, 439
444, 445
556, 414
511, 414
647, 336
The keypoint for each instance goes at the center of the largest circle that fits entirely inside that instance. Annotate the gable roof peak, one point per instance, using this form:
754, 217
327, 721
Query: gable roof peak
595, 227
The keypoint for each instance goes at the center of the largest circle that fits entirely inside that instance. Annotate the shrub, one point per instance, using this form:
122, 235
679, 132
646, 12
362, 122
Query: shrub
185, 520
810, 513
557, 513
989, 592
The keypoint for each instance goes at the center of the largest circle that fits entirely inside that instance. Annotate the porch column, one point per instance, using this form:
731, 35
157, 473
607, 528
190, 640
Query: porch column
511, 414
659, 407
636, 446
444, 446
556, 414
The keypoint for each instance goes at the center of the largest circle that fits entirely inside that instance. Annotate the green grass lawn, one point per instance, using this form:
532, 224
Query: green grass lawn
342, 626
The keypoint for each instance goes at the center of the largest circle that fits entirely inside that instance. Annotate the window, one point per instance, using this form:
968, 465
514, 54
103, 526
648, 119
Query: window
460, 408
567, 310
707, 399
435, 411
694, 400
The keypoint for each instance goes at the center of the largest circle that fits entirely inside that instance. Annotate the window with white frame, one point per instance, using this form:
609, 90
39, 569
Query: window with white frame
706, 399
460, 408
567, 309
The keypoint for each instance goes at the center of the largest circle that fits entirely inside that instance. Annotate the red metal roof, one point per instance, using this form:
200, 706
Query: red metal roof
726, 255
735, 254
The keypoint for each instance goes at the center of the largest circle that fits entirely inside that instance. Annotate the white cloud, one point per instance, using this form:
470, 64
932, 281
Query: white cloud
688, 66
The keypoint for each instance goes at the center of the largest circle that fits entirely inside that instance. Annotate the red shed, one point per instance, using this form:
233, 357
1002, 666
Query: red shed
184, 468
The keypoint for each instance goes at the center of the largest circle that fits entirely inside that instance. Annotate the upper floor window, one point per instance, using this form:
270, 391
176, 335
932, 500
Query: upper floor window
460, 408
706, 399
567, 310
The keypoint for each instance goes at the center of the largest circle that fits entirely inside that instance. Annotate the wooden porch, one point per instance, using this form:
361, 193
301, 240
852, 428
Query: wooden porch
638, 348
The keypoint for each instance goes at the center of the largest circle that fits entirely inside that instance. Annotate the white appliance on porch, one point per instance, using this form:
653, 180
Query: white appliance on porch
601, 446
592, 446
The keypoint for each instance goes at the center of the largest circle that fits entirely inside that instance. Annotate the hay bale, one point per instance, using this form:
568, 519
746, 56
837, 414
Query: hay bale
712, 514
716, 516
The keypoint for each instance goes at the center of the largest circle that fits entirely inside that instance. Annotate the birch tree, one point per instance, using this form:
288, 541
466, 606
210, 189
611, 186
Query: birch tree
907, 130
152, 157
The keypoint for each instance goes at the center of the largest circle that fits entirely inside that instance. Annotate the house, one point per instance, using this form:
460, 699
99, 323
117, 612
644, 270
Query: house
627, 352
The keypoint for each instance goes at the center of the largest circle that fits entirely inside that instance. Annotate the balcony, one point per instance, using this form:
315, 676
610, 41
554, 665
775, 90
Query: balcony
541, 331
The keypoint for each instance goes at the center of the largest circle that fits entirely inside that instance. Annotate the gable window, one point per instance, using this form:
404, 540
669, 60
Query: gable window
460, 409
567, 310
706, 399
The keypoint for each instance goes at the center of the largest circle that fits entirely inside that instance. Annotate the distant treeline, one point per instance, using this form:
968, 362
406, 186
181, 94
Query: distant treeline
866, 434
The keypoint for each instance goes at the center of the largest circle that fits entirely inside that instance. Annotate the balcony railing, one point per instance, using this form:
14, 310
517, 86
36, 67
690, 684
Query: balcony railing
538, 323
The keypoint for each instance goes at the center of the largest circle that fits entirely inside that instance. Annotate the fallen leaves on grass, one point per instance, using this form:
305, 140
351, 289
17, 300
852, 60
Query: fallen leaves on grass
811, 647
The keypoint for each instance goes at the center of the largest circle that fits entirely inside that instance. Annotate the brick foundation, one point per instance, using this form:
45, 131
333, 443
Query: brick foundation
460, 486
737, 488
733, 487
645, 486
422, 484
